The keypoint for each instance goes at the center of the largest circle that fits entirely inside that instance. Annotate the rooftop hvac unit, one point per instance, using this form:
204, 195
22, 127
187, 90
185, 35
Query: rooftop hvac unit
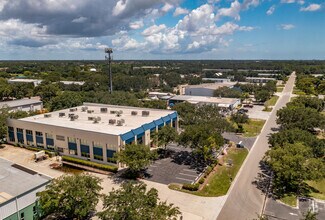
47, 116
83, 109
113, 112
61, 114
134, 113
91, 118
97, 119
145, 113
122, 120
111, 121
90, 111
119, 113
119, 123
73, 109
71, 115
103, 110
74, 117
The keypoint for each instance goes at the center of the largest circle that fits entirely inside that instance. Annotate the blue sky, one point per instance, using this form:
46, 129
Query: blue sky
162, 29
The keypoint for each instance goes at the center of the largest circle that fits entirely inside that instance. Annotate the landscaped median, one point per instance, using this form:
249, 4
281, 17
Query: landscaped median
95, 165
218, 181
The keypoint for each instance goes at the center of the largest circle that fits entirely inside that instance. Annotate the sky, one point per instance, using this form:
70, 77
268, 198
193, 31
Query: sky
162, 29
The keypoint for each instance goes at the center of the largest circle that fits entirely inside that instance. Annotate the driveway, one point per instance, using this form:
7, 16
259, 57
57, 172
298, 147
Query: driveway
257, 112
248, 142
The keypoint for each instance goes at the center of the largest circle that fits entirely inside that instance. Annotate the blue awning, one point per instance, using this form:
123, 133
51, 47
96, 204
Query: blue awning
173, 115
166, 118
159, 122
149, 126
127, 136
138, 131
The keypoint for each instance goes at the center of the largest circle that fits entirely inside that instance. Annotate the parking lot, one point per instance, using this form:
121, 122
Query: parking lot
248, 142
179, 167
257, 112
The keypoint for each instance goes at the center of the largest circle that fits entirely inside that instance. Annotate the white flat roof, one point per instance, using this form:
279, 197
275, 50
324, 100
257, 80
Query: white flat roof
205, 99
103, 126
20, 102
25, 80
212, 85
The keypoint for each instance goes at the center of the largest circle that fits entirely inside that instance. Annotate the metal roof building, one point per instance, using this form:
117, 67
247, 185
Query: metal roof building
23, 104
18, 188
206, 89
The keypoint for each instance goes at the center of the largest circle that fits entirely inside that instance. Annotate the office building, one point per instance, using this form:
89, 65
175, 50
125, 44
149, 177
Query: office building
34, 104
206, 89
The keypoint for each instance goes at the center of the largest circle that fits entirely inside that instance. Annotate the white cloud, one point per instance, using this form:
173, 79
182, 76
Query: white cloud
311, 7
180, 11
271, 10
233, 11
154, 29
300, 2
287, 26
136, 24
80, 20
125, 43
167, 7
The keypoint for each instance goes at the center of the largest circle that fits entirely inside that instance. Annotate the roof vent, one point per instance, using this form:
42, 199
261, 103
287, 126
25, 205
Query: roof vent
103, 110
91, 118
113, 112
90, 111
97, 119
112, 121
71, 115
61, 114
134, 113
145, 113
119, 113
47, 116
83, 109
73, 109
119, 123
74, 117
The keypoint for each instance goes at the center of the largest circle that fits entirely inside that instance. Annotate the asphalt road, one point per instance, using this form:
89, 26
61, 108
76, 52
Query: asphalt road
244, 200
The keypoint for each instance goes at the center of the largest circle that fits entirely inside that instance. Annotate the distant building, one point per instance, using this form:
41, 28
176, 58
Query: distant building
159, 95
92, 131
224, 103
217, 80
23, 105
35, 82
80, 83
93, 70
206, 89
18, 188
259, 79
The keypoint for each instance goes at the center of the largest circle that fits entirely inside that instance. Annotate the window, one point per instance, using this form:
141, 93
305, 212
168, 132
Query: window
11, 129
84, 142
97, 144
29, 132
72, 140
22, 216
20, 130
50, 136
60, 138
39, 134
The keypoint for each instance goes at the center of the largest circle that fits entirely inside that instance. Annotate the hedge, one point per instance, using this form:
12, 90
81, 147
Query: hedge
104, 167
191, 187
50, 153
201, 181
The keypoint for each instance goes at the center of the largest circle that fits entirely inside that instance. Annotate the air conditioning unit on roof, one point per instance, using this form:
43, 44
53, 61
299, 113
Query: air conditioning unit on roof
74, 117
134, 113
73, 109
61, 114
111, 121
84, 108
103, 110
145, 113
90, 111
47, 116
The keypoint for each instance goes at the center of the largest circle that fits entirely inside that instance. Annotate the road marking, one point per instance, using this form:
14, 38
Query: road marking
187, 170
153, 166
188, 175
293, 214
184, 179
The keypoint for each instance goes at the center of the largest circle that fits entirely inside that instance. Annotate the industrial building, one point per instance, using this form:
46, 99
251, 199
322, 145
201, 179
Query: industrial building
26, 105
92, 131
217, 80
259, 79
224, 103
206, 89
18, 188
36, 82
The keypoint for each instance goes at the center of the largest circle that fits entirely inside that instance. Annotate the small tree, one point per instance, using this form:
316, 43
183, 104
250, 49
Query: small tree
262, 95
166, 135
70, 196
309, 215
239, 118
136, 157
134, 202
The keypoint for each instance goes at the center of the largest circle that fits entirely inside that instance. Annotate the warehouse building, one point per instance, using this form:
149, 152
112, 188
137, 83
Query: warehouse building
26, 105
206, 89
259, 79
223, 103
18, 188
92, 131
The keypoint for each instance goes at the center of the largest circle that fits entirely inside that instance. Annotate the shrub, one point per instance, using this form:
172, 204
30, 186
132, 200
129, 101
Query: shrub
208, 171
104, 167
191, 187
201, 181
50, 153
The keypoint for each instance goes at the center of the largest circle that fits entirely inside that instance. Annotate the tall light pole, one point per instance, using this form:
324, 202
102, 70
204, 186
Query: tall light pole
109, 51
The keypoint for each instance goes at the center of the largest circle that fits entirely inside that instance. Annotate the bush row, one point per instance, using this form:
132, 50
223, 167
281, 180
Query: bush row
104, 167
191, 187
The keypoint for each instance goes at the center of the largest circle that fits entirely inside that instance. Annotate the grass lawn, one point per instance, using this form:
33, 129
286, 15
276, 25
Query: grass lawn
253, 127
319, 186
272, 101
219, 181
279, 89
289, 200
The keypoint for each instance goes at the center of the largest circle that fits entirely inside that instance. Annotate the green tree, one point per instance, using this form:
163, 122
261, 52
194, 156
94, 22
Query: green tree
4, 114
136, 156
134, 202
227, 92
239, 118
66, 100
166, 135
70, 196
262, 95
292, 164
309, 215
308, 102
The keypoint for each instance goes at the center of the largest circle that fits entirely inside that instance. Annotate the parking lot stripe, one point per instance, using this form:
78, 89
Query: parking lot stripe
184, 179
187, 170
188, 175
153, 166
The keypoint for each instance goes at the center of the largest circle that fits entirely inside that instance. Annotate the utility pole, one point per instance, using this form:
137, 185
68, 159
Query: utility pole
109, 51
